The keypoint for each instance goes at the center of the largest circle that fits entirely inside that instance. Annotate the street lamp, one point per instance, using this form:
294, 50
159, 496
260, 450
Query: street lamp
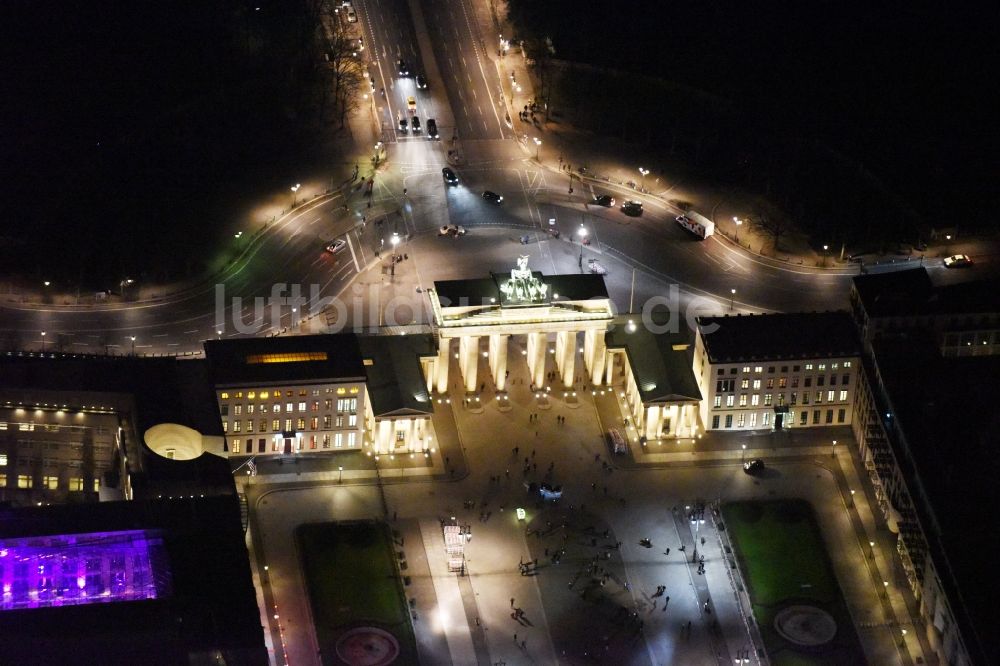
394, 241
732, 298
43, 342
737, 221
833, 449
132, 337
341, 478
744, 459
825, 254
642, 184
295, 188
538, 144
582, 233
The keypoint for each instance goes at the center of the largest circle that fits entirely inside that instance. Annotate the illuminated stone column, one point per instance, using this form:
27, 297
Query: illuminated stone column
654, 421
441, 364
536, 358
594, 354
385, 433
498, 360
566, 356
468, 360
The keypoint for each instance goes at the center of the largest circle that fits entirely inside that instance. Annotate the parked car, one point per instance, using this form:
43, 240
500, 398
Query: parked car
432, 129
616, 442
754, 466
632, 208
605, 200
336, 246
402, 125
493, 197
449, 176
957, 261
421, 82
451, 230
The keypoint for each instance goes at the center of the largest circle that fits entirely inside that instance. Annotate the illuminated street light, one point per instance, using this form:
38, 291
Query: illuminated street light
732, 298
833, 449
394, 241
538, 144
737, 221
744, 454
132, 337
43, 342
642, 185
295, 189
582, 233
341, 479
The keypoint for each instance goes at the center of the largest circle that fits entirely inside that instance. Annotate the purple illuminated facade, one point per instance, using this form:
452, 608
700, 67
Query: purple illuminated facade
70, 569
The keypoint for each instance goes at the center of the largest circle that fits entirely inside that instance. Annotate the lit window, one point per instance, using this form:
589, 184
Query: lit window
341, 391
236, 426
300, 424
302, 406
264, 395
237, 410
3, 459
326, 441
770, 383
250, 409
289, 407
756, 385
76, 484
288, 425
758, 369
729, 400
352, 420
338, 440
314, 406
822, 367
249, 425
783, 382
25, 481
809, 366
746, 368
224, 396
829, 396
847, 364
743, 399
834, 366
295, 357
50, 482
350, 439
236, 446
354, 390
745, 384
328, 404
239, 394
225, 426
251, 395
765, 418
755, 399
753, 419
97, 485
718, 401
843, 396
277, 408
741, 420
313, 424
326, 422
767, 399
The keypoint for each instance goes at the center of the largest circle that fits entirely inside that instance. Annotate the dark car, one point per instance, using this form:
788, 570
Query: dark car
421, 82
493, 196
633, 208
432, 128
402, 124
754, 466
402, 67
415, 124
605, 200
449, 176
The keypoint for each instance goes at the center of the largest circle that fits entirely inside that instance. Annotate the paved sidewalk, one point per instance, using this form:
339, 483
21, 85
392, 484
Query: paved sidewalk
449, 617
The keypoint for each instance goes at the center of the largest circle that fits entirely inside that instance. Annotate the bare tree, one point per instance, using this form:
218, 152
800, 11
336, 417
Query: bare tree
344, 77
770, 224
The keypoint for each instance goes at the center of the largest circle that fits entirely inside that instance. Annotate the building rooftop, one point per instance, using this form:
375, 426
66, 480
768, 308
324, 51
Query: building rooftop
294, 359
200, 599
911, 292
661, 362
946, 408
775, 337
395, 380
164, 390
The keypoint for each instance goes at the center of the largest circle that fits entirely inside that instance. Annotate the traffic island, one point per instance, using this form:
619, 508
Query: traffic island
796, 600
359, 608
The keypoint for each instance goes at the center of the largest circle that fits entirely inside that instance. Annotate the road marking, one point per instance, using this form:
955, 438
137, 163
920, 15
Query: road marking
160, 335
354, 257
194, 330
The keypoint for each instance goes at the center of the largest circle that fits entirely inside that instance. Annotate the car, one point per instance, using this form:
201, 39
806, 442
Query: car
336, 246
596, 267
402, 125
411, 104
415, 124
493, 196
421, 82
957, 261
605, 200
451, 230
432, 129
754, 466
633, 208
449, 176
402, 67
352, 16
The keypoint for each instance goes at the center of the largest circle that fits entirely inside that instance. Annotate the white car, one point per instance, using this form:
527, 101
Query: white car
596, 267
336, 246
451, 230
957, 261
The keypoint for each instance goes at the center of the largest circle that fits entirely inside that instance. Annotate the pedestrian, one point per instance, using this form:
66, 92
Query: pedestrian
517, 450
666, 552
524, 645
515, 638
511, 599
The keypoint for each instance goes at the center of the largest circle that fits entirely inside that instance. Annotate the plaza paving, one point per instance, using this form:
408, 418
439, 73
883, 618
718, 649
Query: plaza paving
470, 619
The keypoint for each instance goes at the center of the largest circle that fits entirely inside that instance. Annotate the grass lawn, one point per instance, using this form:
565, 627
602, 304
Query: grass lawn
784, 562
353, 581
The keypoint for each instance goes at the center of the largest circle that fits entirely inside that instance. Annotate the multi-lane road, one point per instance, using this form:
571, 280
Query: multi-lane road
441, 40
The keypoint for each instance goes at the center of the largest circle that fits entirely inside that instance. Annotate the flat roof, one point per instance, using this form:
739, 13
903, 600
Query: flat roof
164, 390
912, 292
776, 337
292, 359
208, 601
395, 380
661, 362
946, 407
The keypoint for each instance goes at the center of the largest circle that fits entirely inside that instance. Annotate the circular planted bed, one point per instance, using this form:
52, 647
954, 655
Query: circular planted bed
807, 626
367, 646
